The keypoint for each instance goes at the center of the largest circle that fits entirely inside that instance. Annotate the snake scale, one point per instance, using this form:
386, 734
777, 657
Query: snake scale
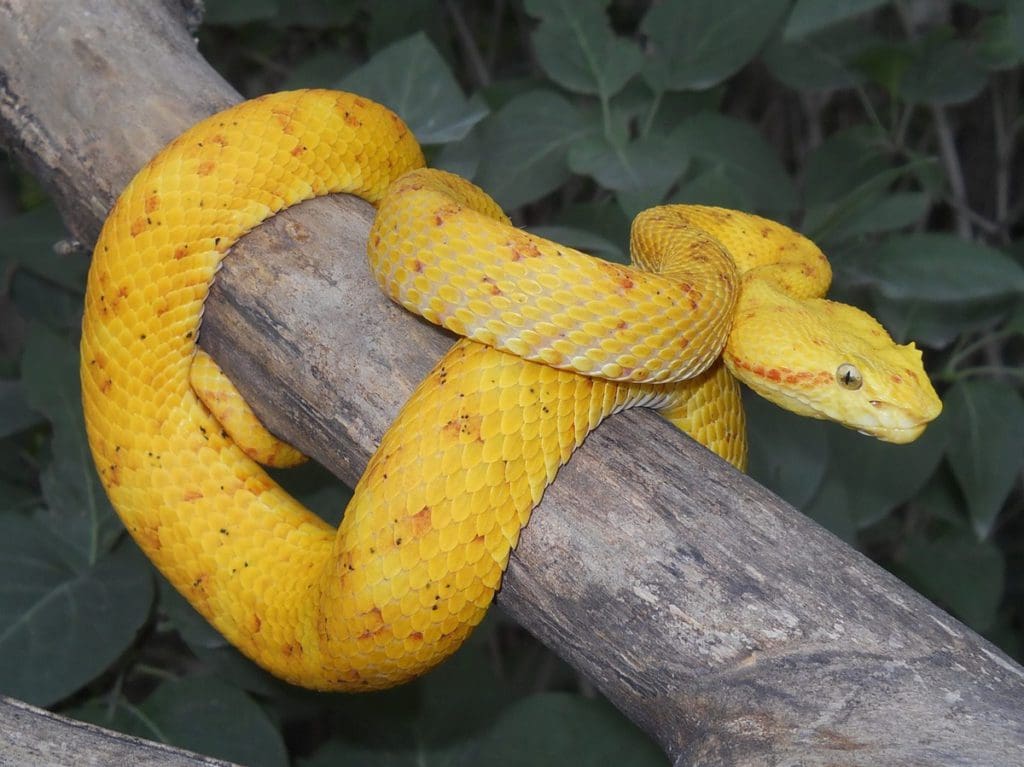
555, 342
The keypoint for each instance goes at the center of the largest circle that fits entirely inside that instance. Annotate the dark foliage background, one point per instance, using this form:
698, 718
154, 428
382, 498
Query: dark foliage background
888, 131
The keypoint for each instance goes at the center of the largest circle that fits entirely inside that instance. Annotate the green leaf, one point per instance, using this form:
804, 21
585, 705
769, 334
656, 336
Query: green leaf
411, 78
987, 421
201, 714
810, 16
525, 147
237, 12
937, 267
644, 168
61, 623
830, 508
937, 324
555, 729
844, 162
893, 211
604, 218
742, 159
78, 510
576, 47
27, 242
878, 476
946, 71
885, 63
318, 14
823, 61
787, 452
322, 69
1001, 37
696, 44
965, 576
15, 413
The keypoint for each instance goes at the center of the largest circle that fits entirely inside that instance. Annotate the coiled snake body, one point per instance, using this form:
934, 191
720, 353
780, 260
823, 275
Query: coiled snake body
559, 342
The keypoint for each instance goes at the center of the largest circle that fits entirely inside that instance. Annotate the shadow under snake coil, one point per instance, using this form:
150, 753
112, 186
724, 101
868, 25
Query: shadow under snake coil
559, 341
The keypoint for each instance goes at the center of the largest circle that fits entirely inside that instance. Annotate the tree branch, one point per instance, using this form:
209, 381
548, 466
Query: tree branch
726, 624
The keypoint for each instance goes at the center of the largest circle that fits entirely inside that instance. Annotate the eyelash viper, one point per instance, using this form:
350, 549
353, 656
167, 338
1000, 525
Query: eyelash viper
720, 296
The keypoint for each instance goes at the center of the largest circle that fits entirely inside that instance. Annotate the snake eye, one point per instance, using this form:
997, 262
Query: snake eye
849, 377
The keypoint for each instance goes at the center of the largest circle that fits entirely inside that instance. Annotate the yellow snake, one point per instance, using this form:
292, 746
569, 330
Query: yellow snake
427, 535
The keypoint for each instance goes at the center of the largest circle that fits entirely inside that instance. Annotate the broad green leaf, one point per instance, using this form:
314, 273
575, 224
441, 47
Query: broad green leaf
15, 412
810, 16
964, 576
27, 242
316, 13
830, 508
987, 423
392, 20
604, 218
1001, 37
823, 61
237, 12
644, 168
460, 157
61, 623
556, 729
742, 158
411, 78
77, 507
944, 72
320, 70
201, 714
879, 476
787, 452
844, 162
937, 267
696, 44
935, 324
893, 211
576, 47
525, 147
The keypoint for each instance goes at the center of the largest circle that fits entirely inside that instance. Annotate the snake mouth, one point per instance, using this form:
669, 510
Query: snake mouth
898, 435
896, 424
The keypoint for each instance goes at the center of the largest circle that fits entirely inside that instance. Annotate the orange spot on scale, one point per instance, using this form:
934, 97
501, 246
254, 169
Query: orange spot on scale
416, 636
896, 379
523, 247
105, 386
420, 522
299, 150
193, 495
621, 325
255, 624
180, 253
377, 625
218, 139
417, 265
206, 167
352, 121
152, 202
292, 649
138, 226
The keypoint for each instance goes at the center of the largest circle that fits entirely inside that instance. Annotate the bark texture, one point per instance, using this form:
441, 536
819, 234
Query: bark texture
714, 615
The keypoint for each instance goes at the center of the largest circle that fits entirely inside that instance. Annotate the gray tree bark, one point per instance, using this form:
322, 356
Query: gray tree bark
731, 628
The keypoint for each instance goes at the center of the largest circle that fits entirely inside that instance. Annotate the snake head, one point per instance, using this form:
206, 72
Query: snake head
828, 360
